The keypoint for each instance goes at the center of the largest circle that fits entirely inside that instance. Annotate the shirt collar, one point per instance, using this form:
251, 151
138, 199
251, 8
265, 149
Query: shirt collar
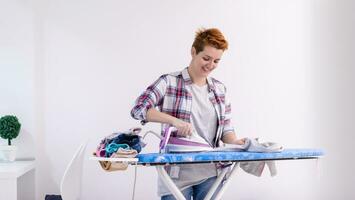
188, 81
186, 76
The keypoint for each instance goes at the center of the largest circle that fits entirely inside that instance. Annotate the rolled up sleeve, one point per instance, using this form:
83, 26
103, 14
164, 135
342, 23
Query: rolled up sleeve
152, 97
227, 124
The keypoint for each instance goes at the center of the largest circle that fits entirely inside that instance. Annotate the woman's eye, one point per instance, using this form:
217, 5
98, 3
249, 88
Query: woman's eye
205, 59
216, 61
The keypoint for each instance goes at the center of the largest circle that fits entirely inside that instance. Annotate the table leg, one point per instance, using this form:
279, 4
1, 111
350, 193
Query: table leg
226, 183
216, 184
178, 194
169, 183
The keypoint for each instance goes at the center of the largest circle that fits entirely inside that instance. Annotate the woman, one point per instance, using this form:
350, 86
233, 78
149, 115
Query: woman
187, 100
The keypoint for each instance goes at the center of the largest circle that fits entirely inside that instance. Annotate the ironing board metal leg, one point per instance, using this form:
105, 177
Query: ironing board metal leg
169, 183
226, 183
216, 184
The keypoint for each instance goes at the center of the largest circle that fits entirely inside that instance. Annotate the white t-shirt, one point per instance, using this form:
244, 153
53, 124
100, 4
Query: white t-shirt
204, 122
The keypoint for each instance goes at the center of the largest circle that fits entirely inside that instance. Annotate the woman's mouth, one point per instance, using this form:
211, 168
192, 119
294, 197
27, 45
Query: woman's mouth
205, 69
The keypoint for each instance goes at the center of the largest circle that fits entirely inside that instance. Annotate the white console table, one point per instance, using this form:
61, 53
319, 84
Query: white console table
10, 179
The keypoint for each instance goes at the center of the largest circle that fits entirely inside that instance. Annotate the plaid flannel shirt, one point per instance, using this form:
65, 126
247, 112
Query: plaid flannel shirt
171, 95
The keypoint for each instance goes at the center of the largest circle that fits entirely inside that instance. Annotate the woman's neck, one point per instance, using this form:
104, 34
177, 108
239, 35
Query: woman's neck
198, 80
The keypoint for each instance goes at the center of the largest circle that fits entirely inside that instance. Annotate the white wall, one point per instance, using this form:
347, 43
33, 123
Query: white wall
334, 66
17, 63
93, 58
17, 71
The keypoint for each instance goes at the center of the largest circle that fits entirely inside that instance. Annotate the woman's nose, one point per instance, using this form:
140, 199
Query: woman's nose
211, 65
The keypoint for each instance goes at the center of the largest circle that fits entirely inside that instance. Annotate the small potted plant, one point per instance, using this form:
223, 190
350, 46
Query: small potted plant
9, 129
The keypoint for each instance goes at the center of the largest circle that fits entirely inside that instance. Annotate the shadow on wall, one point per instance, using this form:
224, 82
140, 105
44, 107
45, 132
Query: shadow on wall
26, 146
49, 180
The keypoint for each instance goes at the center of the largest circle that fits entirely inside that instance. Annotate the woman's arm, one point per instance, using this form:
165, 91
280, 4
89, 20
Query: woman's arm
150, 98
231, 138
184, 128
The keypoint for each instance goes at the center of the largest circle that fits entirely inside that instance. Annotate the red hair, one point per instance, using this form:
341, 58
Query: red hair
209, 37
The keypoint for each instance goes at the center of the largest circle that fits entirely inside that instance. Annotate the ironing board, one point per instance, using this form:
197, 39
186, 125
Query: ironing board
159, 160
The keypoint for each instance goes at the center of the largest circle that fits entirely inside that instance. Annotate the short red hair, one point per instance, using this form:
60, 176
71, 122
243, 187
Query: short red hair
209, 37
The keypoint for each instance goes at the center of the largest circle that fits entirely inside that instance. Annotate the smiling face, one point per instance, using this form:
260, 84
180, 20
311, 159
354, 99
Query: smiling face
204, 62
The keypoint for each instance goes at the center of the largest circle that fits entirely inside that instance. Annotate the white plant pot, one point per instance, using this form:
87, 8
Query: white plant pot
8, 153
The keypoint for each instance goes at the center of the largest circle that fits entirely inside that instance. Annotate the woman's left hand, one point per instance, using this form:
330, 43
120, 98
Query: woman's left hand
239, 141
231, 138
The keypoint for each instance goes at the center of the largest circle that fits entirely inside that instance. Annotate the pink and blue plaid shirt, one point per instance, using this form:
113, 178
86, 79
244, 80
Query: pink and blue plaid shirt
171, 95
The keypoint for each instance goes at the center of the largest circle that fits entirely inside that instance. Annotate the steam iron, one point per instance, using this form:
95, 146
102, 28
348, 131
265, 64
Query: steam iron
193, 143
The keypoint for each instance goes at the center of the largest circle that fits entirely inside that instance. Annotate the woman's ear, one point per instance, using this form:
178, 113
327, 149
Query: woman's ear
193, 51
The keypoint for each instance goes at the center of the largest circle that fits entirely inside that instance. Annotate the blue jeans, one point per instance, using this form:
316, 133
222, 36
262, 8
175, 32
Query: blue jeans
197, 192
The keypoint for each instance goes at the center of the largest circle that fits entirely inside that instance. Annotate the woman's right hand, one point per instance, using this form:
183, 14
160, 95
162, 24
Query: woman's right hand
184, 128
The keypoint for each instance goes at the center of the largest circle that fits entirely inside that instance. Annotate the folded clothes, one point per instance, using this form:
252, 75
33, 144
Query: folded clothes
125, 139
101, 150
125, 153
132, 141
126, 144
113, 147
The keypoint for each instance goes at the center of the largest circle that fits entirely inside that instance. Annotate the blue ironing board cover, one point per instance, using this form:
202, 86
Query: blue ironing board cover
204, 157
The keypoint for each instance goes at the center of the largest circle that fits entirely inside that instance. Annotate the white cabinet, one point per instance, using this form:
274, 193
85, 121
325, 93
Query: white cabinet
17, 180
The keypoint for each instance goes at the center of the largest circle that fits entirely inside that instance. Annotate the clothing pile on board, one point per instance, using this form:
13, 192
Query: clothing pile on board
126, 144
